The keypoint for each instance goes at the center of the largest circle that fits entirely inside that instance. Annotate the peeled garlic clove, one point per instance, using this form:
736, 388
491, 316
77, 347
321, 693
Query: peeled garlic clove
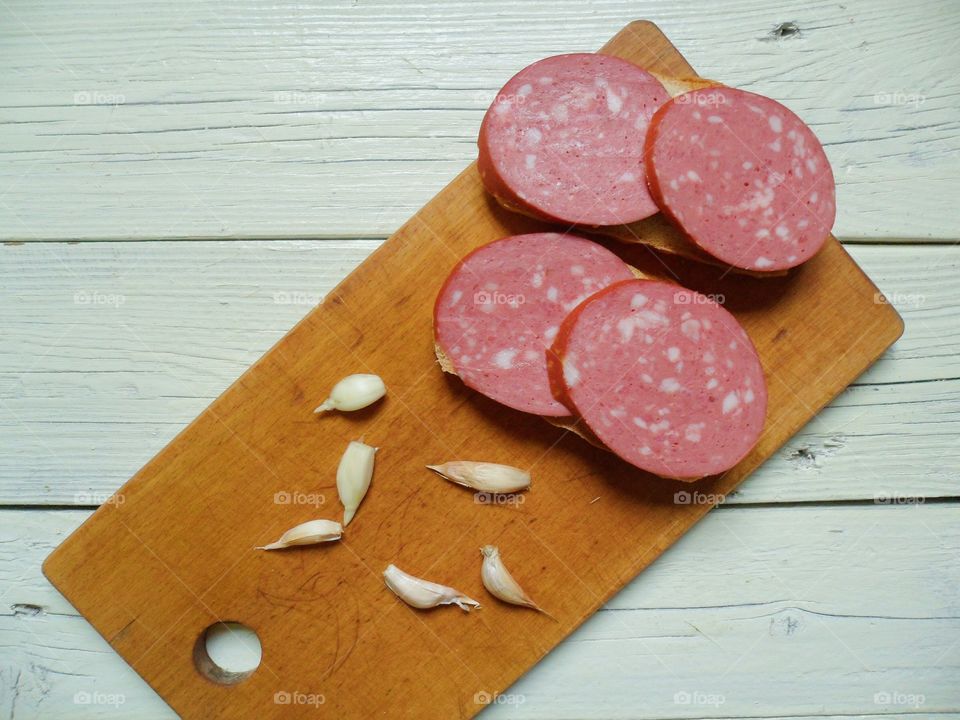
353, 393
423, 594
498, 580
353, 477
487, 477
308, 533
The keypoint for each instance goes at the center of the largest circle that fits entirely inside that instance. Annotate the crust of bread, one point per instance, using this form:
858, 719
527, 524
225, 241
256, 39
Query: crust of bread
574, 425
679, 85
443, 360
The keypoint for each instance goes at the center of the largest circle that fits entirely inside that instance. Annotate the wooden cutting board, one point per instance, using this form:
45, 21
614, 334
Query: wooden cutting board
174, 554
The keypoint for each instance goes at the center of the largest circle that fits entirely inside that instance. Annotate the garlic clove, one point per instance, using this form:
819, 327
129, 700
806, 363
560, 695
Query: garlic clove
353, 477
353, 393
308, 533
423, 594
484, 476
500, 583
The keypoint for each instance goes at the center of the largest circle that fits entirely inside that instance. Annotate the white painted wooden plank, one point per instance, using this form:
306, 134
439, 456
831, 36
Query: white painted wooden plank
261, 119
111, 348
788, 611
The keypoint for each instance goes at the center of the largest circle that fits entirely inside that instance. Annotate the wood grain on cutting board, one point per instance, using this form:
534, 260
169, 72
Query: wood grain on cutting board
153, 571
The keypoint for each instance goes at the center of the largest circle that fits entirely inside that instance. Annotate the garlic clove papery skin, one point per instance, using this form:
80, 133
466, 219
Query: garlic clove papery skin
500, 583
354, 392
308, 533
423, 594
484, 476
353, 477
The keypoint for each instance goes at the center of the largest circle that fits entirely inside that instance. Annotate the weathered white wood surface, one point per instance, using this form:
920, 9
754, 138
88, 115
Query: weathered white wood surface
110, 349
775, 611
260, 119
337, 120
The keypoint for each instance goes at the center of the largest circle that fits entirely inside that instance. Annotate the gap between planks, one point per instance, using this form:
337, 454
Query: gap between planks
826, 503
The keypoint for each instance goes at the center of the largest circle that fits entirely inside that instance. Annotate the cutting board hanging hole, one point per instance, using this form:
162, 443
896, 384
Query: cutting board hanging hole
227, 653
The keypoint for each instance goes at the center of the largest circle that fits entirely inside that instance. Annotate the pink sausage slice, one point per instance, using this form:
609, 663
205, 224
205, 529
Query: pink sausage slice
742, 176
502, 306
664, 377
564, 140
